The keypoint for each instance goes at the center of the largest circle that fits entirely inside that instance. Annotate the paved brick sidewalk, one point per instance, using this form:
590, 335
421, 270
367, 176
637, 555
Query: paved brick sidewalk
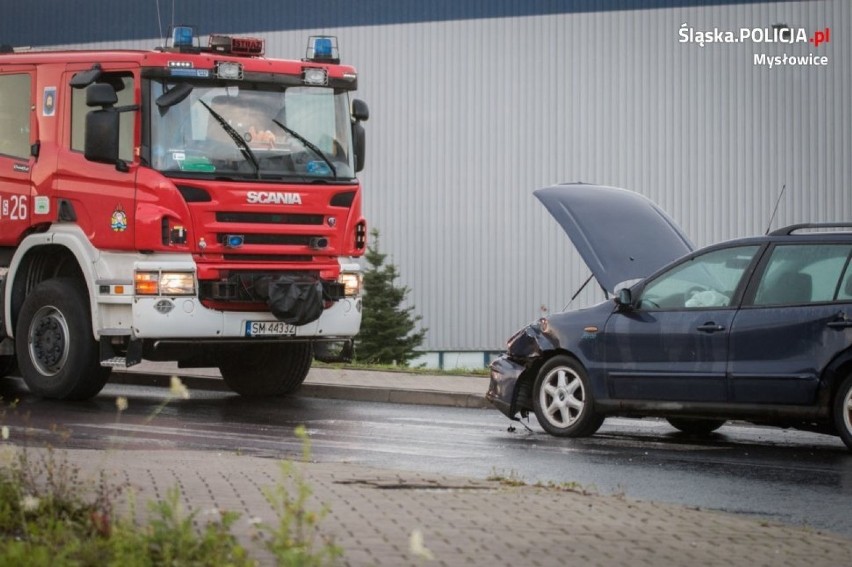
467, 522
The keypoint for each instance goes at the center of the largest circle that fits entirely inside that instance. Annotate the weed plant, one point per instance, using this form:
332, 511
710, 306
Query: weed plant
51, 516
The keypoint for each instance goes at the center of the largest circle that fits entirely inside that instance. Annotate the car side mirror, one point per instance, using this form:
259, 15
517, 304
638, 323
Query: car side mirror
624, 298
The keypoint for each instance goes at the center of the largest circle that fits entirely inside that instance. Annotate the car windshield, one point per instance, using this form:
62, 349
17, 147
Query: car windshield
252, 131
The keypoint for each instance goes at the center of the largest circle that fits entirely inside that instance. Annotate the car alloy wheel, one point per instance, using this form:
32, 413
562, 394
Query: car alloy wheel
562, 396
562, 399
843, 411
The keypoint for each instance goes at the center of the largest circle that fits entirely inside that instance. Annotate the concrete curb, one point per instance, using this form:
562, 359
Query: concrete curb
317, 390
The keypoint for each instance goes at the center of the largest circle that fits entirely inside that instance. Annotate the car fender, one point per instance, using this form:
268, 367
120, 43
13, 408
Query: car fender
835, 372
571, 333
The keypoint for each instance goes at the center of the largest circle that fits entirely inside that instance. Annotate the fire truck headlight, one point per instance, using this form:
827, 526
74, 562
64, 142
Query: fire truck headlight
315, 76
351, 283
165, 283
177, 283
229, 70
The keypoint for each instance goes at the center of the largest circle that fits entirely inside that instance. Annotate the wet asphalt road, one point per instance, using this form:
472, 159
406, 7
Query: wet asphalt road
787, 476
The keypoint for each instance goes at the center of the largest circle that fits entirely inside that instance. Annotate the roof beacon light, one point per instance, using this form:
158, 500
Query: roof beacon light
322, 49
182, 36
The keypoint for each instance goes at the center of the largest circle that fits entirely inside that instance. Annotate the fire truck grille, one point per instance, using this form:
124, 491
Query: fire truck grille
253, 287
269, 218
273, 239
266, 258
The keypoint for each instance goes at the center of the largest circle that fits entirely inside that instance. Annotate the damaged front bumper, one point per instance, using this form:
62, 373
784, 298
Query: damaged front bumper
510, 390
503, 389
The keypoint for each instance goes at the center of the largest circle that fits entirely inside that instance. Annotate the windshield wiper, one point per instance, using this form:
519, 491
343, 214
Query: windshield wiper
309, 145
235, 136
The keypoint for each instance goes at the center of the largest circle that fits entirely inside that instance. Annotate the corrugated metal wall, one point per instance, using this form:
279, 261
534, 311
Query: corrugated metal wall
468, 117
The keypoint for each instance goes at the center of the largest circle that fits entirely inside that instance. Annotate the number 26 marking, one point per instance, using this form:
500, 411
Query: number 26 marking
18, 207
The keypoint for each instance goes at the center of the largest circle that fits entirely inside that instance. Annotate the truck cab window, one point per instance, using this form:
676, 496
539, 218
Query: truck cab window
125, 98
253, 131
15, 115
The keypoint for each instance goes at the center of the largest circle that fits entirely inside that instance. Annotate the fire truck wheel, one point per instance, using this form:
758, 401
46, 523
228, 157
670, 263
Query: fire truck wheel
57, 355
8, 363
266, 370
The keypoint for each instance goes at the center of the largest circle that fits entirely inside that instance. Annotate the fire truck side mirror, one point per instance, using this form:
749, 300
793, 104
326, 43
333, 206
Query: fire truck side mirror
359, 145
101, 94
101, 141
360, 113
101, 144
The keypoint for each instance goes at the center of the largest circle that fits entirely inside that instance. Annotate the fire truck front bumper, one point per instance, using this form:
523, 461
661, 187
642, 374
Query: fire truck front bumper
186, 317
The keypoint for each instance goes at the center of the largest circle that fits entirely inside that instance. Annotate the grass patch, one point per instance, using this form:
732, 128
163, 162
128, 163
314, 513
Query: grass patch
512, 478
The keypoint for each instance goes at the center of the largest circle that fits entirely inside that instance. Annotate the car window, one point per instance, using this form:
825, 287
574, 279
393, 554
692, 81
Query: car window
804, 273
708, 280
844, 290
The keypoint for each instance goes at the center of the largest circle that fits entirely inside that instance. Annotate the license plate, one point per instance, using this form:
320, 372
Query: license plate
269, 329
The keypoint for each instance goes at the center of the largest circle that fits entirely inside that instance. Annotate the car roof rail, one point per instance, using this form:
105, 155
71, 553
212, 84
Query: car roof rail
788, 230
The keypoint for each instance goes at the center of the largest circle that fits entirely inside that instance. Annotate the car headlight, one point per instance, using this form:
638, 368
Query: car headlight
351, 283
165, 283
526, 343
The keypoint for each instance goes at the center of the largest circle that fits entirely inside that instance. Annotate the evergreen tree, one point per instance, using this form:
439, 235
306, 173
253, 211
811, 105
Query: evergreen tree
387, 329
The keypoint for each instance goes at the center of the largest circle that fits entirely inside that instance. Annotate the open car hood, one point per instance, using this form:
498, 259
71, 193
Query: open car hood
621, 235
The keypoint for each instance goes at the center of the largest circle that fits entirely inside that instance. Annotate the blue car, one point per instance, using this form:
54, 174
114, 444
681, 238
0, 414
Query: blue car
756, 329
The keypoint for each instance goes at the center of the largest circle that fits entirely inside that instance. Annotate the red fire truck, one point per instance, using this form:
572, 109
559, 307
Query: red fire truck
194, 203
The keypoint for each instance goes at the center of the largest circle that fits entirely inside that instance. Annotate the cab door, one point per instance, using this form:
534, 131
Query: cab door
100, 196
673, 345
795, 319
16, 160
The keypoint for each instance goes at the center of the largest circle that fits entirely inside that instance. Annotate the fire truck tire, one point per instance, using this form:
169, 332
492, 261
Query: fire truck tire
266, 370
8, 364
57, 355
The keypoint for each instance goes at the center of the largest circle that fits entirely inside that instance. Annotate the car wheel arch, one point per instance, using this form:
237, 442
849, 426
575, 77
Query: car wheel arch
563, 402
833, 376
524, 393
547, 355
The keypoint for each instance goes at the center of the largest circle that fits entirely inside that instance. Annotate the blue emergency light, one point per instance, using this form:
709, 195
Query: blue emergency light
323, 48
182, 36
234, 240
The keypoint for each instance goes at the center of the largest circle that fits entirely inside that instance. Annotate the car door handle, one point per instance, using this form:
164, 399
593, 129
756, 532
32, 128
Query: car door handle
710, 327
840, 322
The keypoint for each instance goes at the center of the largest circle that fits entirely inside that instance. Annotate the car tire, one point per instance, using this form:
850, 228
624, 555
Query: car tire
842, 411
695, 426
266, 370
57, 355
562, 399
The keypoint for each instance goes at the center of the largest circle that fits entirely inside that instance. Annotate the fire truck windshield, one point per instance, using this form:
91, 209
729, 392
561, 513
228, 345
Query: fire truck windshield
297, 132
